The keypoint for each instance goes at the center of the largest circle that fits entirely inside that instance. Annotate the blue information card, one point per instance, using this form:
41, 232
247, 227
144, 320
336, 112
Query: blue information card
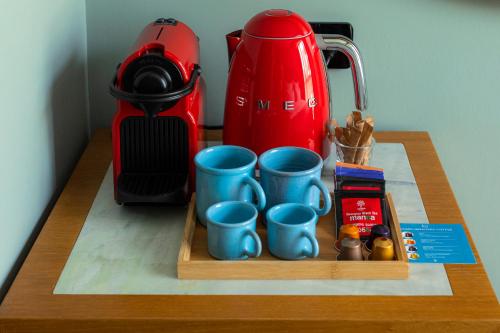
436, 243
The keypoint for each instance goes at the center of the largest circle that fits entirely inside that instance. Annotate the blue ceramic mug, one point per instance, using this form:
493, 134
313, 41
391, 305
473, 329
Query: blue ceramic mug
231, 230
225, 173
293, 174
291, 231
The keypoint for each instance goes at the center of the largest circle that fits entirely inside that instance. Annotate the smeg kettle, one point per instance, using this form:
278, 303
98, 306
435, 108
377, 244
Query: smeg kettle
277, 89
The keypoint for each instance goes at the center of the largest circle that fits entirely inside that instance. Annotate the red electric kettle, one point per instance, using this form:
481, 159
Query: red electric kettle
277, 90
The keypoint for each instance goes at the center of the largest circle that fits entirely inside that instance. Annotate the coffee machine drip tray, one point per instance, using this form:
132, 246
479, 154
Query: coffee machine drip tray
152, 188
154, 159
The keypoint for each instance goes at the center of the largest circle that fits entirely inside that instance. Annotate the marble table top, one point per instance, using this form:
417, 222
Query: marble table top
133, 250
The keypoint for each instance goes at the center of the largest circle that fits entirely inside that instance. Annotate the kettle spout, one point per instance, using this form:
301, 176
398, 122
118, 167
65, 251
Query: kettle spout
232, 39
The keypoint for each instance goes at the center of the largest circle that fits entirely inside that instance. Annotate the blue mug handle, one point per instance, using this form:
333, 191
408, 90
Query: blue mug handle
327, 200
258, 244
314, 244
259, 192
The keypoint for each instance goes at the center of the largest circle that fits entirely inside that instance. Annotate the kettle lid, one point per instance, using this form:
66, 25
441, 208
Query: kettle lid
277, 23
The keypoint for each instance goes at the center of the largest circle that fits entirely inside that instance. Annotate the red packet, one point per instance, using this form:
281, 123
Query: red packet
362, 212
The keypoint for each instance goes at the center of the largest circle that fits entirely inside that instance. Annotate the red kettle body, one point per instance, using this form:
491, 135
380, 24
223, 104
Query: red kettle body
277, 90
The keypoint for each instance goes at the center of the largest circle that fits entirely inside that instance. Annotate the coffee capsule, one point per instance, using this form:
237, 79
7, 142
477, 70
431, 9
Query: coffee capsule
346, 230
378, 230
383, 249
350, 249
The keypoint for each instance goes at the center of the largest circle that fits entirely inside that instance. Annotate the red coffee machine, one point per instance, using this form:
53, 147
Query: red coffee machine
160, 97
277, 90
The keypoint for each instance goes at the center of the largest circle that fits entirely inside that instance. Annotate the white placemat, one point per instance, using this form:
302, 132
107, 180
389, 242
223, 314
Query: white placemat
133, 250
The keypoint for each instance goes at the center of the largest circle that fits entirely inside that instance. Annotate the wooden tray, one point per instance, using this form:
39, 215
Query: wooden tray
194, 261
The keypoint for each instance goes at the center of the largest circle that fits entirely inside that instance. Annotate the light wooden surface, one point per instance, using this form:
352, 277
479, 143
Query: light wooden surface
196, 263
30, 305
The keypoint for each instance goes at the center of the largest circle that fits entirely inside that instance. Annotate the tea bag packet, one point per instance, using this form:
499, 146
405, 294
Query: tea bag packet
359, 197
357, 171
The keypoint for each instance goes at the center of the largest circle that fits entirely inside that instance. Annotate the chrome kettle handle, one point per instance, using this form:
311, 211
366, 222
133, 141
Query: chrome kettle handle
350, 50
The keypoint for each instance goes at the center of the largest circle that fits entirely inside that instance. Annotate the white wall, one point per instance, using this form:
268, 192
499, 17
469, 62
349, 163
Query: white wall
43, 109
431, 65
